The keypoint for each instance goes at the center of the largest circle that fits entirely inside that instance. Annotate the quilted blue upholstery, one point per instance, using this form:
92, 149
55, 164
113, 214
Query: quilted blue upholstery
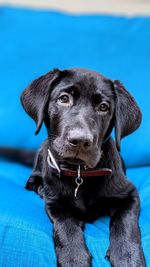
31, 43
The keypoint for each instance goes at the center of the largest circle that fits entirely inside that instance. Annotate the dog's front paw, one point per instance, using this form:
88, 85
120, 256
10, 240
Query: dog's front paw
73, 258
126, 256
34, 183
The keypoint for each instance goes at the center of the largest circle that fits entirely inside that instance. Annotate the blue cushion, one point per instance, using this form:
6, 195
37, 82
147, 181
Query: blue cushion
33, 42
26, 232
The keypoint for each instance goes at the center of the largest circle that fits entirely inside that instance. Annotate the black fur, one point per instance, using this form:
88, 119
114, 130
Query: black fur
79, 108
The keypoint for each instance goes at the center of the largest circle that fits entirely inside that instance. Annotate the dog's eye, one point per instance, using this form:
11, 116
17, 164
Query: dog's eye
64, 99
104, 106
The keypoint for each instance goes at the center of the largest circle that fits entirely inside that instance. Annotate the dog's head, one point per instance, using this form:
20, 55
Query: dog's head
80, 108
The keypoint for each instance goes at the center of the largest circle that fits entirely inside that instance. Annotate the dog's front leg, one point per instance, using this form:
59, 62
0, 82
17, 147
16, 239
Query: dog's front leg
125, 248
71, 250
35, 181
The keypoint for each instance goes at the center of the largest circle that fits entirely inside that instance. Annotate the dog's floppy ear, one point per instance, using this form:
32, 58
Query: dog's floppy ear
127, 114
35, 97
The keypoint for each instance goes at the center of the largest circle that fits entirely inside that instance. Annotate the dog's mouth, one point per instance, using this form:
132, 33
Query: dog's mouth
75, 156
87, 160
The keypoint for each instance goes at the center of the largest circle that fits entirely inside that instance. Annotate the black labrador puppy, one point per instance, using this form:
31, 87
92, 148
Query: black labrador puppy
78, 170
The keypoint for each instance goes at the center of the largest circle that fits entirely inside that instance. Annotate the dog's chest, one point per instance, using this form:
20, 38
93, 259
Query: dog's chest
86, 203
86, 200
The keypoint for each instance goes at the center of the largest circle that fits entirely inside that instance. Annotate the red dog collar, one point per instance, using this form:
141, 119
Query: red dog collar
77, 174
63, 171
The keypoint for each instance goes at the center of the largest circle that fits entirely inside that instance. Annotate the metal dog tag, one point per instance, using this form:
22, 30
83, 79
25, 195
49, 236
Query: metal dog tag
78, 182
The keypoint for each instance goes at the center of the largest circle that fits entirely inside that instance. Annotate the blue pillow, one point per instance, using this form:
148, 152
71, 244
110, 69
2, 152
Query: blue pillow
33, 42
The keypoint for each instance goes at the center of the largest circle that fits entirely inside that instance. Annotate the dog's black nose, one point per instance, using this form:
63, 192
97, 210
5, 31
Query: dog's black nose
80, 139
